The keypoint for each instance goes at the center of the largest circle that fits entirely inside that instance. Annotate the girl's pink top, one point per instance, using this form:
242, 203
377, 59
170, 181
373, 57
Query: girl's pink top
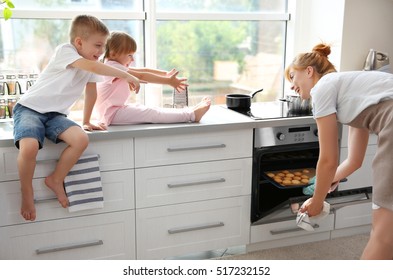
112, 94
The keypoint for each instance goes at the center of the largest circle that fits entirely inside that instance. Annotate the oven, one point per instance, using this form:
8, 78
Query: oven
292, 149
276, 150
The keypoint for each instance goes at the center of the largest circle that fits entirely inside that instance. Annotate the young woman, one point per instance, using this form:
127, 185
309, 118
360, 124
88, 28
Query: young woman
363, 100
113, 93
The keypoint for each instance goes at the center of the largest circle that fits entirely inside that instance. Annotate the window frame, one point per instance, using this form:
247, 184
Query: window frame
149, 17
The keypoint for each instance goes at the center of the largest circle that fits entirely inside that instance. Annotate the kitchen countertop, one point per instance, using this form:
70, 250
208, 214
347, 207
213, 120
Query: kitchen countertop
217, 118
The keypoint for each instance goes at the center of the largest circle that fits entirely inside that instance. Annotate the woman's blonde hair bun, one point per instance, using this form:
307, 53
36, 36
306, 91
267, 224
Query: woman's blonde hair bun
322, 49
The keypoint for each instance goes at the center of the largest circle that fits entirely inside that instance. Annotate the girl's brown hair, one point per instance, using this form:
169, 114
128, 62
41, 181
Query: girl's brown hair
119, 43
318, 59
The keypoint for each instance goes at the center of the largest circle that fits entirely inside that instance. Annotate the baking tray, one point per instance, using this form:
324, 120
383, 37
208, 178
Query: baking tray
285, 175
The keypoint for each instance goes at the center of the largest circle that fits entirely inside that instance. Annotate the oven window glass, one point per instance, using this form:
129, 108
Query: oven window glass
268, 197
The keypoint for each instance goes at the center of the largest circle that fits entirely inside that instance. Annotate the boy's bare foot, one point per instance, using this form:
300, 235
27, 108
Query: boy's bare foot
28, 209
201, 108
58, 189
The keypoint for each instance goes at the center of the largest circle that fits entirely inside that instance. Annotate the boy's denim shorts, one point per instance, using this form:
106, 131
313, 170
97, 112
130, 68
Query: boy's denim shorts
32, 124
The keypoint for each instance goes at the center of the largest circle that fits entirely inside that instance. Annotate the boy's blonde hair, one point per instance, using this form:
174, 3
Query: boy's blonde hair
84, 25
119, 43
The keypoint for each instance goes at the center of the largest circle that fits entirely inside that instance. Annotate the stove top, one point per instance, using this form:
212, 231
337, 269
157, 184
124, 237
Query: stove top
272, 110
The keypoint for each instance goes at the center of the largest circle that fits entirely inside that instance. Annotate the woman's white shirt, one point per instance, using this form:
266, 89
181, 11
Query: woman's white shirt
348, 93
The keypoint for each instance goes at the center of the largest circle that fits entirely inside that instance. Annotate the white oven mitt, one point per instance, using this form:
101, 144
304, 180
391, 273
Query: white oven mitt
306, 222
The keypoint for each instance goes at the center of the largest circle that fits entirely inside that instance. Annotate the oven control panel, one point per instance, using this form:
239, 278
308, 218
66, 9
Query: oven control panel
285, 135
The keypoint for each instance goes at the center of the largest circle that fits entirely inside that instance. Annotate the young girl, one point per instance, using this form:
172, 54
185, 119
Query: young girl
363, 101
111, 104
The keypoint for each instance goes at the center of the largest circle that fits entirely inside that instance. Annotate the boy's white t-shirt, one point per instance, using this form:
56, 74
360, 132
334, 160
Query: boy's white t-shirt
59, 86
348, 93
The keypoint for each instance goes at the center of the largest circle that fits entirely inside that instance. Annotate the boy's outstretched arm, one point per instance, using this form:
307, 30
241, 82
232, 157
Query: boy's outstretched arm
106, 70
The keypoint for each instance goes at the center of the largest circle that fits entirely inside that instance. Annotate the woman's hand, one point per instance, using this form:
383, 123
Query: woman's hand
312, 207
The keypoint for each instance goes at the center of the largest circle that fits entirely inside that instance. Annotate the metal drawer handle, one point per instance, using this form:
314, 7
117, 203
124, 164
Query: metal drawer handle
52, 159
46, 160
45, 199
198, 227
68, 247
202, 182
196, 148
275, 232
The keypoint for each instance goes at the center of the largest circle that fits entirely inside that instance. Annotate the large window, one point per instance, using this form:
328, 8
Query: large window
220, 46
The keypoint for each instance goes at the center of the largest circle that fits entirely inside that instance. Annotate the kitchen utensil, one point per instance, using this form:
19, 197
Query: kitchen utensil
376, 61
296, 104
269, 176
240, 102
11, 84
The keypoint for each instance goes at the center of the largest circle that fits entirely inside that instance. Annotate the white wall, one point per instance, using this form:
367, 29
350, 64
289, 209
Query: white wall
313, 22
367, 24
352, 27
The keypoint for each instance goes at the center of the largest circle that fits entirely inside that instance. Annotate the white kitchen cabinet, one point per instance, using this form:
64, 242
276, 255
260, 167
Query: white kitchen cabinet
117, 187
193, 192
286, 229
104, 236
349, 217
103, 233
363, 177
192, 227
353, 215
113, 155
195, 147
192, 182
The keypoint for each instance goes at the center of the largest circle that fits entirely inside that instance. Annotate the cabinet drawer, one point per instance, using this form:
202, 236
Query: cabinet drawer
118, 190
192, 182
192, 227
287, 229
363, 177
106, 236
114, 154
196, 147
354, 215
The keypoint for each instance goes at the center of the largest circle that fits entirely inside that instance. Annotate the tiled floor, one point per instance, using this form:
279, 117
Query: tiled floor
212, 254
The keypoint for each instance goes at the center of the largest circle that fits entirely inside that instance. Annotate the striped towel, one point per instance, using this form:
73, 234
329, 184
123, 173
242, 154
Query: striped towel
83, 185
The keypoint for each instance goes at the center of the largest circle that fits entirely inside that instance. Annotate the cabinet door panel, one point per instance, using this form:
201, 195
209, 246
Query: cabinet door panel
353, 215
197, 147
288, 229
192, 227
363, 177
114, 155
117, 186
192, 182
106, 236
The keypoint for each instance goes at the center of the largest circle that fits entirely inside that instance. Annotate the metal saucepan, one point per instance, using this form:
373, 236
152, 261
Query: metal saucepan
240, 102
296, 104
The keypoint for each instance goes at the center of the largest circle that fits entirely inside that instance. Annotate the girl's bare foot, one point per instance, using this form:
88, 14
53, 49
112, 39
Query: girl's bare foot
28, 209
58, 189
201, 108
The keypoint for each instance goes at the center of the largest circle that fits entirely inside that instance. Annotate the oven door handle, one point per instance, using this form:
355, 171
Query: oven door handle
289, 230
